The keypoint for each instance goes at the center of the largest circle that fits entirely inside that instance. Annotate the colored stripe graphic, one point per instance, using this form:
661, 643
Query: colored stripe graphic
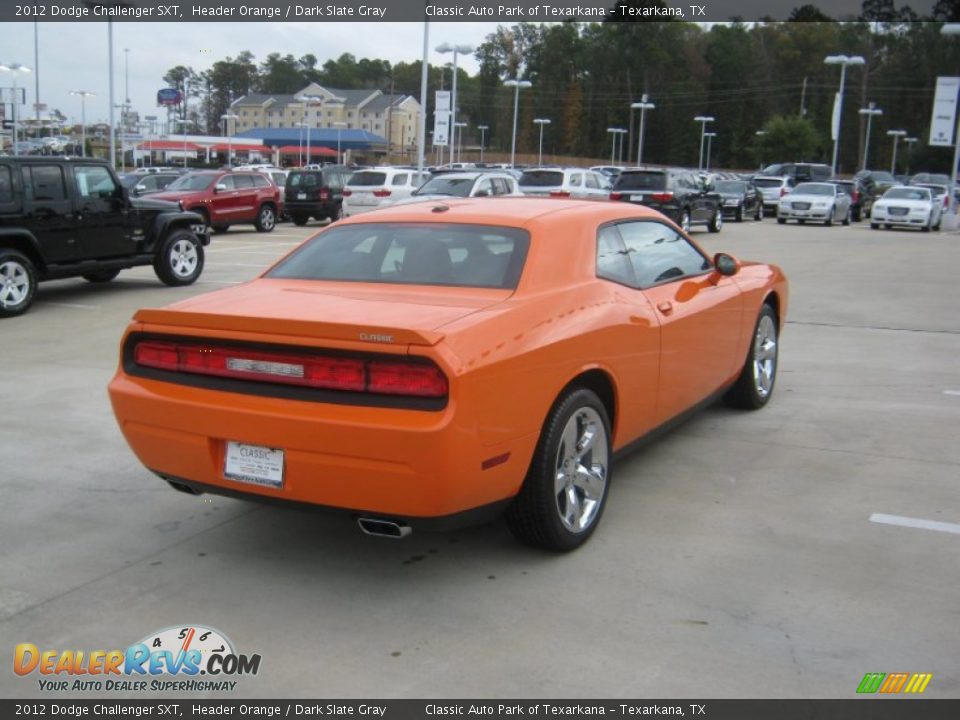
918, 683
871, 682
894, 682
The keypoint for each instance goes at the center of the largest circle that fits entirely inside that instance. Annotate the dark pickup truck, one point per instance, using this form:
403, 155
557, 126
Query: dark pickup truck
64, 218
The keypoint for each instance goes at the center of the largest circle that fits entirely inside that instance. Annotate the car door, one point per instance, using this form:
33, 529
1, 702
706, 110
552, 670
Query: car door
483, 188
225, 203
247, 196
576, 185
699, 312
592, 187
103, 216
49, 213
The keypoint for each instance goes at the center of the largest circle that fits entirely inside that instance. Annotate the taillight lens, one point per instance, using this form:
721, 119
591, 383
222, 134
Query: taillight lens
616, 196
381, 193
313, 371
324, 194
559, 193
783, 191
347, 193
662, 197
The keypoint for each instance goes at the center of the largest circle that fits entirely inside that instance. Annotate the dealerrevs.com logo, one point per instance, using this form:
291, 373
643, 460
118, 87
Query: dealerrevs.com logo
187, 658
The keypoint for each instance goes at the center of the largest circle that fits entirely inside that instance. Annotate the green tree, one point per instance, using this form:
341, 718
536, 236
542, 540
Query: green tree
788, 137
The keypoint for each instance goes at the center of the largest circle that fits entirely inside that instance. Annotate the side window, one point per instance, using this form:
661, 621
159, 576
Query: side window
500, 186
484, 188
228, 181
659, 254
612, 261
94, 182
576, 180
400, 179
333, 180
44, 182
6, 184
260, 181
592, 181
243, 182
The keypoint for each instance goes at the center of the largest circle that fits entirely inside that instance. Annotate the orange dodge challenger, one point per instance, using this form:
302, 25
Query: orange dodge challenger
431, 364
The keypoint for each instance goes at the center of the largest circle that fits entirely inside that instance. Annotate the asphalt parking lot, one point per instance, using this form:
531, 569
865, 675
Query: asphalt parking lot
737, 557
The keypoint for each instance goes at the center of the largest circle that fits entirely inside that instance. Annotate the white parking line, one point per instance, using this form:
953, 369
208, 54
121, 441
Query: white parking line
951, 392
915, 523
76, 306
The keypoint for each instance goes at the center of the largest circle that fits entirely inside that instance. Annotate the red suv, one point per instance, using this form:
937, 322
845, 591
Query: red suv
225, 198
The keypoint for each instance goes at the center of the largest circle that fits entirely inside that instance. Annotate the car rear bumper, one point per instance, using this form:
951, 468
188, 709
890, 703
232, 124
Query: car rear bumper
387, 462
313, 208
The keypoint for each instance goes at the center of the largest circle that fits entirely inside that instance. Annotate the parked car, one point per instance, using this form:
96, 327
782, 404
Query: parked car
773, 188
316, 193
934, 178
818, 202
369, 189
800, 172
873, 183
140, 184
611, 171
225, 198
941, 194
854, 189
476, 183
64, 218
681, 195
565, 182
449, 366
907, 206
741, 198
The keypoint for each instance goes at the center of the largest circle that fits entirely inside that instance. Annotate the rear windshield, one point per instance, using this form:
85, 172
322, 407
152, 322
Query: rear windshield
192, 182
902, 193
412, 254
731, 186
935, 189
303, 179
767, 182
541, 178
881, 176
444, 185
814, 189
641, 181
366, 179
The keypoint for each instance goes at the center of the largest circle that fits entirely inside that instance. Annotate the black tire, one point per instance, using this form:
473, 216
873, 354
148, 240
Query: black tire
829, 221
18, 283
746, 392
535, 516
299, 220
846, 218
738, 217
781, 221
801, 222
857, 216
100, 276
887, 226
874, 226
759, 215
180, 260
716, 222
337, 214
266, 218
936, 227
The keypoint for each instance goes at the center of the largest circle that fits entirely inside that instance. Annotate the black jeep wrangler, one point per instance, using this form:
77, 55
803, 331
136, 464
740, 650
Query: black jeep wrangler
64, 217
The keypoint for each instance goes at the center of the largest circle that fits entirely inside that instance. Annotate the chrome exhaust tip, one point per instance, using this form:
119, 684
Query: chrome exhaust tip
384, 528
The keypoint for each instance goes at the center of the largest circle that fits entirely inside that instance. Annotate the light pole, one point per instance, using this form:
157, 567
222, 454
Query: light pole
456, 50
710, 136
126, 74
642, 106
953, 29
844, 62
483, 129
869, 111
517, 84
183, 129
307, 99
15, 68
613, 143
83, 94
759, 134
703, 120
541, 122
909, 141
896, 135
226, 118
338, 125
459, 149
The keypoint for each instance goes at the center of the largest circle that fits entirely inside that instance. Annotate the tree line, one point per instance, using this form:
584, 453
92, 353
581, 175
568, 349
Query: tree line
750, 77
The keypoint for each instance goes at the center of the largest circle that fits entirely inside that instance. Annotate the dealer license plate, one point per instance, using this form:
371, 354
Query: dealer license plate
253, 464
301, 196
636, 198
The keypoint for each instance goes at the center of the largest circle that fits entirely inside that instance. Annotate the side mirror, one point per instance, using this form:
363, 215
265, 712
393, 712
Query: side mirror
726, 265
219, 187
139, 188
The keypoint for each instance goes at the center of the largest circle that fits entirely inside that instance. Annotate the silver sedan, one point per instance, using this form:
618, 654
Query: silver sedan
816, 202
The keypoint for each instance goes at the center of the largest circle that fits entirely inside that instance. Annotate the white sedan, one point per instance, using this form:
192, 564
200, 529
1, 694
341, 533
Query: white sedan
816, 202
907, 207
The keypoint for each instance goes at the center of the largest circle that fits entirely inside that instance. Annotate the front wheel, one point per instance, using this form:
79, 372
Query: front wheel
266, 219
18, 283
180, 260
716, 223
759, 215
755, 384
781, 221
829, 221
565, 491
846, 218
874, 226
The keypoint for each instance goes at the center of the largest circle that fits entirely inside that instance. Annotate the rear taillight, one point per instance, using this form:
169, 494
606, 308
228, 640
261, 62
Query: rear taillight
347, 193
946, 201
324, 194
783, 191
560, 193
855, 196
381, 193
303, 370
662, 197
616, 196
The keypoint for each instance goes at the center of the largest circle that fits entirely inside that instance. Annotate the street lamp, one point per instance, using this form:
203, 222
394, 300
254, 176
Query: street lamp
183, 129
460, 125
703, 120
642, 106
541, 122
615, 134
896, 135
305, 126
909, 141
15, 68
83, 94
517, 84
226, 118
869, 111
710, 136
456, 50
953, 29
307, 99
483, 129
338, 125
759, 134
844, 62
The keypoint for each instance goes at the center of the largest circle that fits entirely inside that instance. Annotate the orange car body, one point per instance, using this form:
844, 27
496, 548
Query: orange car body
506, 354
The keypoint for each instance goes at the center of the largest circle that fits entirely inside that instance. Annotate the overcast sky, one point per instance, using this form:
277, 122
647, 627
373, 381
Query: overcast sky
73, 56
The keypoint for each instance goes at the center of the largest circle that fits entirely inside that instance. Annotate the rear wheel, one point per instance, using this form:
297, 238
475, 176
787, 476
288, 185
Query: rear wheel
565, 491
220, 228
18, 283
716, 223
738, 217
829, 221
299, 220
101, 276
337, 214
846, 218
266, 219
755, 384
180, 260
874, 226
782, 221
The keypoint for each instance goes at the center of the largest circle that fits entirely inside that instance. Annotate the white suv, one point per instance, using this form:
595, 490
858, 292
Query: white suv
371, 188
565, 182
